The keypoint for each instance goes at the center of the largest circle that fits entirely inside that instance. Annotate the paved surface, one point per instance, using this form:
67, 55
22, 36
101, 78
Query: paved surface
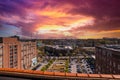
50, 68
52, 64
74, 63
39, 68
42, 65
73, 67
71, 57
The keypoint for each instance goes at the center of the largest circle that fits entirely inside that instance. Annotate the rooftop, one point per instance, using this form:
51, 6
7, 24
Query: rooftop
9, 73
60, 46
112, 47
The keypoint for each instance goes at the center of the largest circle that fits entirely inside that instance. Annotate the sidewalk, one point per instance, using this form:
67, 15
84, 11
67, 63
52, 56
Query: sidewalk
73, 67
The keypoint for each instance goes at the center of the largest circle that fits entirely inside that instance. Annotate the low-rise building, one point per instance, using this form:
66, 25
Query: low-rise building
58, 50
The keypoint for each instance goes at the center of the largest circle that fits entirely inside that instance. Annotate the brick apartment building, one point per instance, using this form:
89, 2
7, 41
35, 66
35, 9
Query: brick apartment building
15, 53
108, 59
28, 54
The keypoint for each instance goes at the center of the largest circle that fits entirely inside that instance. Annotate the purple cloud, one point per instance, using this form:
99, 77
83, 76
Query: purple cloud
21, 13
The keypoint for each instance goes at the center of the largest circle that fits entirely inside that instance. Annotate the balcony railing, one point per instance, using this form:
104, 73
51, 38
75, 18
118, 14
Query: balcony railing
31, 74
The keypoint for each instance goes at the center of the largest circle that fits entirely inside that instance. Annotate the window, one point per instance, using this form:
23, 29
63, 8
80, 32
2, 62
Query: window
119, 67
114, 65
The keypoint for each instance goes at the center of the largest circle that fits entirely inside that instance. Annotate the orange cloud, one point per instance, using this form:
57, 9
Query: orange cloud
61, 18
52, 14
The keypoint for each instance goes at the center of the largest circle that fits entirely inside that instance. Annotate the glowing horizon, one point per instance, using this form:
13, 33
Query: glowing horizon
50, 19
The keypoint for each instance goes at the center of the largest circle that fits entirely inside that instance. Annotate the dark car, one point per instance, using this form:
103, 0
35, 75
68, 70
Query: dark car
69, 66
79, 71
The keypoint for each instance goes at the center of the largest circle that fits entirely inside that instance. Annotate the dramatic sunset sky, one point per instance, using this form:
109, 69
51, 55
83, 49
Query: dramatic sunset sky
60, 18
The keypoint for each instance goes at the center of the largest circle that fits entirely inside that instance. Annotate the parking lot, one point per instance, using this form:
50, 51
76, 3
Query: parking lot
75, 65
41, 64
84, 65
57, 66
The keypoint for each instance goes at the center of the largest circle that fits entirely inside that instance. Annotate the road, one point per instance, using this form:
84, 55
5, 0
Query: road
42, 65
71, 57
73, 67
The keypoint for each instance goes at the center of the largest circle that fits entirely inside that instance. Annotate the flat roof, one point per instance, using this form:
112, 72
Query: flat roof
111, 47
60, 46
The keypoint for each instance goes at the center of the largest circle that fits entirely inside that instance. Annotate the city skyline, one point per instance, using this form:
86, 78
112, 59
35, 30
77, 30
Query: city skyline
60, 18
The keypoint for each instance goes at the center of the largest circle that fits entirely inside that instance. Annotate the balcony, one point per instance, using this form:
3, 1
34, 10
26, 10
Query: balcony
16, 74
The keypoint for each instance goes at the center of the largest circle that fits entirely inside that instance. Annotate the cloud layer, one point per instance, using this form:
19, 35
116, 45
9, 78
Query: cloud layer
61, 18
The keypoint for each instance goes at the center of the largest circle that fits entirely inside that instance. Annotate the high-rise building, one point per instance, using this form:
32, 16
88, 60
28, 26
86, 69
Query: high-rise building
108, 59
18, 54
28, 54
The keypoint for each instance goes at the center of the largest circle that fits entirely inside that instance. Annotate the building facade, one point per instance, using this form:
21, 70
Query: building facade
108, 59
1, 55
28, 53
17, 54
